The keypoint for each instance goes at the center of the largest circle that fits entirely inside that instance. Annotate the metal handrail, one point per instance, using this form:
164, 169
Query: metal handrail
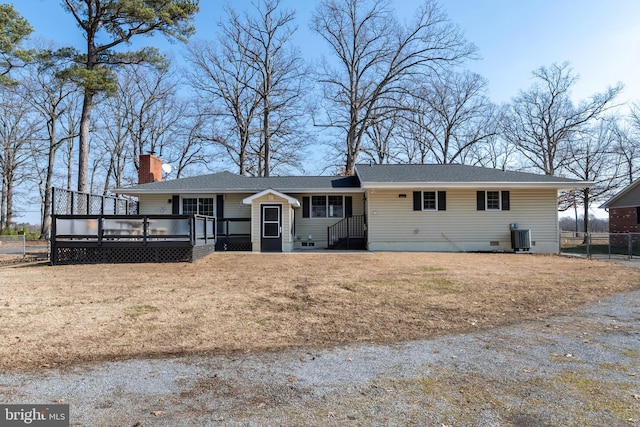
346, 228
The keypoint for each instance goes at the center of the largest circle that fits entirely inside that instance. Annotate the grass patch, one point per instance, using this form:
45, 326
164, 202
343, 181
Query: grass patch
613, 367
599, 396
140, 310
95, 312
631, 352
433, 269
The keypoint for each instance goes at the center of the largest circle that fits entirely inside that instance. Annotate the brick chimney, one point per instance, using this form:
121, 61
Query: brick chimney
150, 169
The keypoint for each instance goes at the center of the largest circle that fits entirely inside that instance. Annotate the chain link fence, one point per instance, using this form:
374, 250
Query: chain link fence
13, 245
624, 246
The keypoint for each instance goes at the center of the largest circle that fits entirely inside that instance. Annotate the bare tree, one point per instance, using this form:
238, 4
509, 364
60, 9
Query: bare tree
107, 24
629, 144
375, 58
382, 138
51, 98
281, 76
112, 137
145, 115
17, 129
455, 115
543, 122
593, 158
219, 76
255, 79
192, 151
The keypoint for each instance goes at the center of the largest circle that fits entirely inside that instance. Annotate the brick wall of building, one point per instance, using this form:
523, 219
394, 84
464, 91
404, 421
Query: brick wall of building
623, 220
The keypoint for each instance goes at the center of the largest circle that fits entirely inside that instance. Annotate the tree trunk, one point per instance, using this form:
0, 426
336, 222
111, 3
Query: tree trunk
352, 152
586, 200
9, 203
83, 143
267, 141
3, 204
46, 211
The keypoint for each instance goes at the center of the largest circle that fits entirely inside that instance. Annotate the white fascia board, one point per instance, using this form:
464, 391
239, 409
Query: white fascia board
291, 200
483, 185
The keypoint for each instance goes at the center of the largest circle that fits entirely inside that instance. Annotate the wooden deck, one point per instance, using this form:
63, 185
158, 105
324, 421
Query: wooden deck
93, 239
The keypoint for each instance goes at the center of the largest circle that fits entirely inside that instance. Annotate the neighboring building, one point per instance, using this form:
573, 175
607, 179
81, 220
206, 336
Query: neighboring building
383, 207
624, 210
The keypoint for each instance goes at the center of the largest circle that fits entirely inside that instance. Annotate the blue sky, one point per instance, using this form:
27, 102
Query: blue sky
600, 39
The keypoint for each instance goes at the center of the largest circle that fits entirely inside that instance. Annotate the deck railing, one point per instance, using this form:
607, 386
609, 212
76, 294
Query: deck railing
233, 234
101, 229
88, 239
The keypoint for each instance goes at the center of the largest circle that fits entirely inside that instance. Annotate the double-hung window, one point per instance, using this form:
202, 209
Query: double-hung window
430, 201
336, 206
493, 200
318, 206
325, 206
197, 205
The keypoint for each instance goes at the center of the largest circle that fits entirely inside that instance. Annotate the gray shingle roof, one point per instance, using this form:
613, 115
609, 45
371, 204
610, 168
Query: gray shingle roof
388, 175
367, 176
227, 182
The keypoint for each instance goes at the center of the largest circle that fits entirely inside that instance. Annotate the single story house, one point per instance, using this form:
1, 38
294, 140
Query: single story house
455, 208
624, 209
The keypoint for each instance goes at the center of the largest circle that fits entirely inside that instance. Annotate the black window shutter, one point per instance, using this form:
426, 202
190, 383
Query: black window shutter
638, 214
480, 200
348, 206
220, 206
506, 202
175, 205
306, 207
417, 200
442, 200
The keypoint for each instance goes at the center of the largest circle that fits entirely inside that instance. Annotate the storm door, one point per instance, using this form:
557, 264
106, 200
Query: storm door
271, 228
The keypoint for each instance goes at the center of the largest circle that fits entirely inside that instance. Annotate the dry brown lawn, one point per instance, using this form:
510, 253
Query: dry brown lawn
243, 302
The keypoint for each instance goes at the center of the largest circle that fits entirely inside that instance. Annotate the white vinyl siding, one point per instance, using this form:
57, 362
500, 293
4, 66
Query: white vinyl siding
317, 227
394, 225
256, 226
155, 204
234, 208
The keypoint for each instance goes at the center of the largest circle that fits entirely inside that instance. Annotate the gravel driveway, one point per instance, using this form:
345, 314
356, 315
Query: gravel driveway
579, 369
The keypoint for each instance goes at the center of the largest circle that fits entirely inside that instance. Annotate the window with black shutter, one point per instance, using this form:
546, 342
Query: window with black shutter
442, 200
480, 201
429, 200
175, 205
348, 206
493, 200
306, 207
